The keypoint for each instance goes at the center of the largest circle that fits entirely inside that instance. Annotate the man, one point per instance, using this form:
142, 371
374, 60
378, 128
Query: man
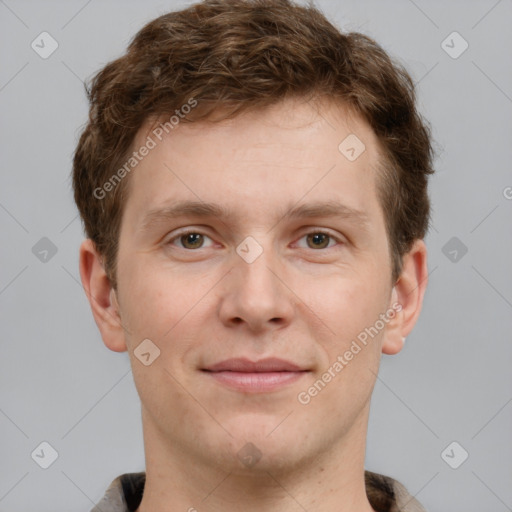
253, 186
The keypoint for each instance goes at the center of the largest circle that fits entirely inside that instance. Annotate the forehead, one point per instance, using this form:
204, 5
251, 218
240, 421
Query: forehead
259, 160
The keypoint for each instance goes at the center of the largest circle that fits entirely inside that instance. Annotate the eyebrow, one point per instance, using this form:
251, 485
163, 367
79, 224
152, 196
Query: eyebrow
205, 210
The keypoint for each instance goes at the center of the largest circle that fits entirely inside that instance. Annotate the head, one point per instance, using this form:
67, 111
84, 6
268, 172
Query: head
252, 110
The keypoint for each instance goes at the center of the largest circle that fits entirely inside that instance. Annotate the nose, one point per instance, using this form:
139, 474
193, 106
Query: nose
255, 295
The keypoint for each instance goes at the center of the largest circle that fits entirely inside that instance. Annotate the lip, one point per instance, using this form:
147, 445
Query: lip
269, 364
255, 376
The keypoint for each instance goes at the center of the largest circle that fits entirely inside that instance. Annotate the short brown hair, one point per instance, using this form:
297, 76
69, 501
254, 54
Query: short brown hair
236, 55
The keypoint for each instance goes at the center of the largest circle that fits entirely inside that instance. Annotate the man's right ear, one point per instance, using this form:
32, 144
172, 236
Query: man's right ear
102, 297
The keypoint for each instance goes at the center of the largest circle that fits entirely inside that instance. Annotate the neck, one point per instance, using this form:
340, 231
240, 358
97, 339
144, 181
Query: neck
331, 481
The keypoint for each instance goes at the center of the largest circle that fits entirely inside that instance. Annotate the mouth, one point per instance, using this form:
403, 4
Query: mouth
255, 376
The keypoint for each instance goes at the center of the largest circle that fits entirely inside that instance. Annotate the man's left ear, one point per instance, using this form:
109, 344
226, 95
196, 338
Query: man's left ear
407, 298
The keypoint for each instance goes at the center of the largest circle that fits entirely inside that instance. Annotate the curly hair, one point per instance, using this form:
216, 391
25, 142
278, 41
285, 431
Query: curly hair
230, 56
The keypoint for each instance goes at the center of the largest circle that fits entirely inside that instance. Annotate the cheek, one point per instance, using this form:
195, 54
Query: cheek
350, 355
156, 298
162, 308
347, 305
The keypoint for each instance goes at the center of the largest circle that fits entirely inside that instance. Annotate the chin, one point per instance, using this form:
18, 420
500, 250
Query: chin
264, 443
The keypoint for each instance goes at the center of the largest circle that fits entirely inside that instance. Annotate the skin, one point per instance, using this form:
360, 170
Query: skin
296, 301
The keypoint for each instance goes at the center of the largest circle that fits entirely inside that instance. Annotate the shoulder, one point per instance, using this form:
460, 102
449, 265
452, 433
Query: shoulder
124, 494
386, 494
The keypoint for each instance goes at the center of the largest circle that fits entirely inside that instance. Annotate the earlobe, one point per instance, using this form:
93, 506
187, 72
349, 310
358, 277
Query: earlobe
408, 294
102, 297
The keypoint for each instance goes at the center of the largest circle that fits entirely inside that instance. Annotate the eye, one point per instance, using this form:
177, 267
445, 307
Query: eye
190, 240
319, 240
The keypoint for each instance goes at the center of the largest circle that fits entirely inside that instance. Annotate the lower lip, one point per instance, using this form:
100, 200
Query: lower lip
257, 382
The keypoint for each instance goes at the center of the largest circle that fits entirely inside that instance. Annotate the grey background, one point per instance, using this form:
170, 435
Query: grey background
453, 380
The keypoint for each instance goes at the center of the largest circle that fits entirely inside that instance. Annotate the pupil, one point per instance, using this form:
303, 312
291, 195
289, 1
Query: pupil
319, 237
193, 239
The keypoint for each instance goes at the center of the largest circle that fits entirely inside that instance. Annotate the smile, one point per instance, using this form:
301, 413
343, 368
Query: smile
255, 377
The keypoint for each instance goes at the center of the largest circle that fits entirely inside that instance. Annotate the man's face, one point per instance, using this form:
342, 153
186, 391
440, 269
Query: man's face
254, 282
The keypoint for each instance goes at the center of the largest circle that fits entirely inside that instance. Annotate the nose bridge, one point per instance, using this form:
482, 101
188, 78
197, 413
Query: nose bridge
256, 274
255, 259
254, 292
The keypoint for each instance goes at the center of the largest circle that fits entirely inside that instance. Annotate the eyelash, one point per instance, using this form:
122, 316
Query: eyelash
197, 232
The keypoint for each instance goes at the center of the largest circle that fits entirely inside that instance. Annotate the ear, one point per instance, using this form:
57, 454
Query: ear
102, 297
407, 298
